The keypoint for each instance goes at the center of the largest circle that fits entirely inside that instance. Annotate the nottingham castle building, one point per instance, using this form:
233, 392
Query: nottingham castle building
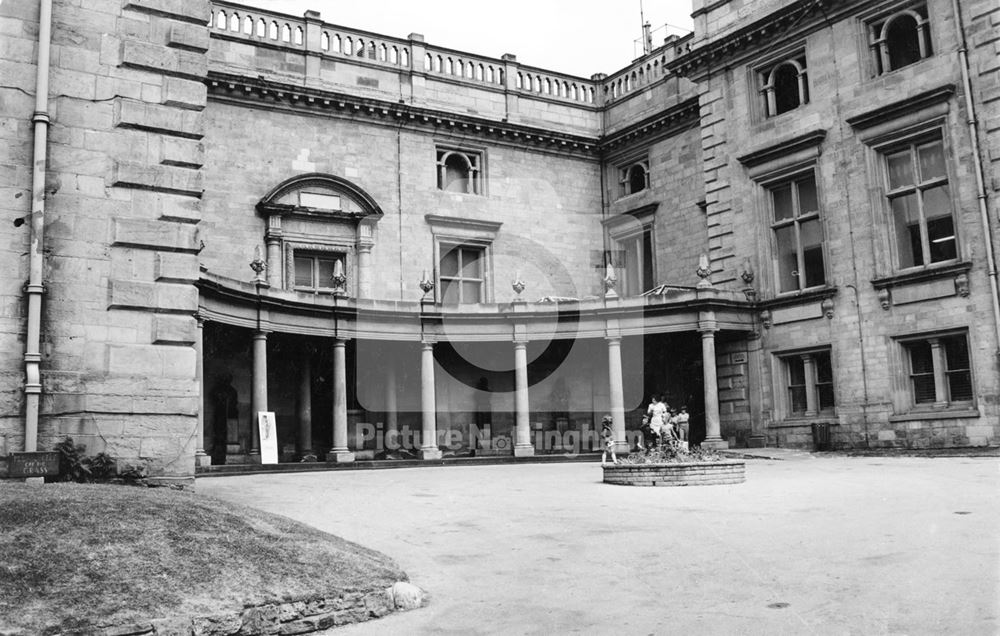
785, 221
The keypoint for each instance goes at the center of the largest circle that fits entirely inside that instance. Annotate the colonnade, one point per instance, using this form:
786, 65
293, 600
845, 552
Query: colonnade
340, 451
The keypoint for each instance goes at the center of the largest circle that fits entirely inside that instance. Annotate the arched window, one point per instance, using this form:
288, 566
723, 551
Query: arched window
459, 171
261, 28
324, 41
900, 39
372, 51
633, 178
248, 25
404, 57
298, 36
785, 86
383, 53
234, 23
220, 20
286, 33
273, 31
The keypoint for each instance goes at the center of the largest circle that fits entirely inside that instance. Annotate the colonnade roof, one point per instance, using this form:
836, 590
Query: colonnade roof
671, 309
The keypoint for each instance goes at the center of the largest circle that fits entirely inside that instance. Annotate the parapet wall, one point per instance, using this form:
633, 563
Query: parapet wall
269, 45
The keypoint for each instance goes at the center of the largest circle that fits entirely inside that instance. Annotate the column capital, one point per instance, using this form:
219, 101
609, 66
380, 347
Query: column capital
427, 342
340, 341
613, 340
260, 334
707, 328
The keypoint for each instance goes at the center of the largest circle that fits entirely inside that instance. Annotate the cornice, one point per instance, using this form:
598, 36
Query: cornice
683, 115
783, 148
903, 107
313, 101
777, 26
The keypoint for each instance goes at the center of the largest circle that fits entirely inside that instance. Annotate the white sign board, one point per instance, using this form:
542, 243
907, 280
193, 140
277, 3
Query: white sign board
268, 437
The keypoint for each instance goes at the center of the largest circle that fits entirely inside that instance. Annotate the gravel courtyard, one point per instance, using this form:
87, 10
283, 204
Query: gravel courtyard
813, 544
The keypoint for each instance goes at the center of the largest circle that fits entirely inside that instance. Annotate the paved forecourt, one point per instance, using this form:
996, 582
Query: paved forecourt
821, 544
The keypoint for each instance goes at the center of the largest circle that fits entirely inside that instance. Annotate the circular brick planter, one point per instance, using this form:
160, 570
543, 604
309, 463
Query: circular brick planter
676, 474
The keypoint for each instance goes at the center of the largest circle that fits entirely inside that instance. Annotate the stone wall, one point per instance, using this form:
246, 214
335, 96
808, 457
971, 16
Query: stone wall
680, 474
123, 202
549, 205
870, 373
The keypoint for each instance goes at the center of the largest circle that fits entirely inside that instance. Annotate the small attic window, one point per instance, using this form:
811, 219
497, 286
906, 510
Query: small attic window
319, 200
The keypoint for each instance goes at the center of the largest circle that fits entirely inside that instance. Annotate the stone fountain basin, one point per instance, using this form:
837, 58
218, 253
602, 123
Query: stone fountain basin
676, 473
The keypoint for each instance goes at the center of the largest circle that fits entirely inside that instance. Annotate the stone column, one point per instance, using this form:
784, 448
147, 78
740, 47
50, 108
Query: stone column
340, 453
305, 409
391, 416
940, 378
258, 396
758, 435
707, 327
200, 457
809, 373
428, 405
522, 431
617, 394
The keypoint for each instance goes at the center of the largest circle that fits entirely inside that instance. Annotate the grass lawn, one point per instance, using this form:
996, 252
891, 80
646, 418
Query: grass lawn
74, 556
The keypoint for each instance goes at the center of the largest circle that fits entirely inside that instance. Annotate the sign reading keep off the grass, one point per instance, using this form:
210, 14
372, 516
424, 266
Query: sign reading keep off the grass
38, 464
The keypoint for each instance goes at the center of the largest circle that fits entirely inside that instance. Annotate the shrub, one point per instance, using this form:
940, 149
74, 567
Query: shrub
75, 465
671, 452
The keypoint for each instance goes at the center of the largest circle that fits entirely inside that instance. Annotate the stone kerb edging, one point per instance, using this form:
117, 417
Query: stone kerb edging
676, 474
290, 617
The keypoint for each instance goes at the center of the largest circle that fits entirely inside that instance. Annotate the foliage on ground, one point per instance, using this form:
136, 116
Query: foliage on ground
74, 556
672, 452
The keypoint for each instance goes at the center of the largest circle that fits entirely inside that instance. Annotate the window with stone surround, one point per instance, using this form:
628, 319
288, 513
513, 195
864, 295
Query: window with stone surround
919, 201
633, 177
462, 274
463, 256
807, 383
634, 255
314, 271
939, 371
900, 38
798, 233
784, 84
460, 170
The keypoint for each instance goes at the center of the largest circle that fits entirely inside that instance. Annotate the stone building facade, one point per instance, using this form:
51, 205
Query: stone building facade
785, 221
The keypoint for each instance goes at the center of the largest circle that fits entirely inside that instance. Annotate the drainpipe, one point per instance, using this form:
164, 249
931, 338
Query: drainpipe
970, 109
35, 288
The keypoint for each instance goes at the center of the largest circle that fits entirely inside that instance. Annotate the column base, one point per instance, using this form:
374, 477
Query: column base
756, 441
621, 448
202, 459
254, 457
308, 457
715, 444
340, 457
526, 450
430, 453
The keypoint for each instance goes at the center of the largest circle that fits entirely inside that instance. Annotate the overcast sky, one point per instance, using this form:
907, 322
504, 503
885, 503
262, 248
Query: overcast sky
580, 38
